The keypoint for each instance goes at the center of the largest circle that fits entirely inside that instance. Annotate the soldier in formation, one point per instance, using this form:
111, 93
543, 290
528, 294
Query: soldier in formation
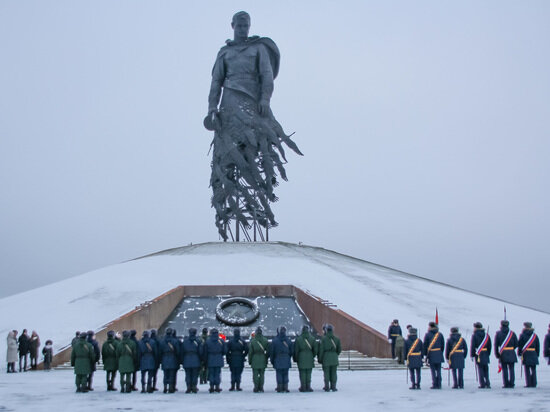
281, 351
546, 349
110, 363
257, 359
413, 357
82, 358
434, 345
126, 353
237, 349
147, 355
529, 350
455, 354
97, 356
305, 351
506, 343
155, 339
169, 355
191, 359
329, 350
393, 332
480, 352
213, 351
204, 370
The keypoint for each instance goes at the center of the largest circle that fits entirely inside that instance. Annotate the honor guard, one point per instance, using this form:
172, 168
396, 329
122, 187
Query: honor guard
413, 357
305, 350
191, 359
529, 350
257, 358
506, 343
434, 345
480, 351
169, 355
547, 346
213, 351
455, 353
147, 355
126, 353
393, 332
281, 350
82, 358
110, 363
237, 349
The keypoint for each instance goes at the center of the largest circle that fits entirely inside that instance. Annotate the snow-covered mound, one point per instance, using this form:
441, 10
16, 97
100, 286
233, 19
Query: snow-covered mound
373, 294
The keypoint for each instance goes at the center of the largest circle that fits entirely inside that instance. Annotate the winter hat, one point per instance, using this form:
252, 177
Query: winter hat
432, 325
125, 334
413, 331
259, 331
478, 325
528, 325
395, 321
111, 334
145, 334
504, 323
330, 328
305, 328
192, 332
454, 329
83, 335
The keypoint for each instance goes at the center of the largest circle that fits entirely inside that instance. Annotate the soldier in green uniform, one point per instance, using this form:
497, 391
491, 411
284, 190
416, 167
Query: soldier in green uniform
126, 353
329, 349
305, 350
257, 359
203, 376
399, 348
82, 356
110, 363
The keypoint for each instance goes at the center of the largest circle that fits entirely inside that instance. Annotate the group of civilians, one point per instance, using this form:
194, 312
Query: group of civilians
25, 347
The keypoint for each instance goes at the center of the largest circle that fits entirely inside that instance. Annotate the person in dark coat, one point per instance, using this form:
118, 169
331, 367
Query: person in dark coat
258, 354
305, 351
82, 357
413, 357
480, 350
191, 360
147, 355
329, 350
213, 351
110, 361
76, 337
133, 338
281, 351
434, 346
155, 339
546, 349
170, 355
506, 343
393, 332
23, 342
455, 353
126, 353
34, 346
97, 354
529, 351
47, 352
204, 369
237, 349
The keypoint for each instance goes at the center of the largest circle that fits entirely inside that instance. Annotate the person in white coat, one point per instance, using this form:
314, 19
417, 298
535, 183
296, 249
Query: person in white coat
11, 356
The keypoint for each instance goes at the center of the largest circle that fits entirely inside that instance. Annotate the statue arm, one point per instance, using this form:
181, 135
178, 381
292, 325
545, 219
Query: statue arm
218, 76
265, 70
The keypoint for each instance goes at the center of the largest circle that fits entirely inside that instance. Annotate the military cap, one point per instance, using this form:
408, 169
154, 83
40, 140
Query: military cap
413, 331
478, 325
504, 323
83, 335
305, 328
192, 331
133, 332
214, 331
432, 324
528, 325
145, 334
330, 327
204, 330
259, 330
125, 334
90, 333
168, 331
395, 321
454, 329
111, 334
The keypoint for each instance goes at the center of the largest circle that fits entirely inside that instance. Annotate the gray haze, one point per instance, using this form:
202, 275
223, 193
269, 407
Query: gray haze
425, 128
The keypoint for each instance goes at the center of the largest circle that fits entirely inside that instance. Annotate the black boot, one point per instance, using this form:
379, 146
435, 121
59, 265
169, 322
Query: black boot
218, 389
232, 387
326, 388
238, 387
171, 388
256, 388
333, 387
143, 388
285, 388
165, 388
211, 390
188, 389
301, 388
149, 388
309, 388
194, 389
279, 388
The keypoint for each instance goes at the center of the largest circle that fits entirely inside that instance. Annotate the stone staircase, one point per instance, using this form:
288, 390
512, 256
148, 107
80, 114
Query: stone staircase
349, 360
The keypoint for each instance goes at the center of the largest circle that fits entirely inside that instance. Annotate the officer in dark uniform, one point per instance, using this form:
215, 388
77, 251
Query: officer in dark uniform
154, 338
191, 359
133, 338
456, 352
169, 353
147, 354
529, 351
413, 357
480, 350
393, 332
204, 371
237, 349
506, 343
547, 346
434, 345
97, 355
281, 351
213, 351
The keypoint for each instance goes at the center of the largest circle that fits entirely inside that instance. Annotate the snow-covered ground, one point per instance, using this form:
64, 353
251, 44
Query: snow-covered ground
373, 294
358, 390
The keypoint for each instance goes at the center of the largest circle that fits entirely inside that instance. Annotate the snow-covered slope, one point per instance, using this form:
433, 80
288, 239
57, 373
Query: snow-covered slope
372, 293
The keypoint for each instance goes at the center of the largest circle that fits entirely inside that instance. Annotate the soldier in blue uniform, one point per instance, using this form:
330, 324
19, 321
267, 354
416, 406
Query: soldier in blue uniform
455, 354
280, 352
480, 350
393, 332
169, 354
546, 349
529, 350
506, 343
97, 355
191, 359
147, 355
213, 351
434, 345
154, 338
413, 357
237, 349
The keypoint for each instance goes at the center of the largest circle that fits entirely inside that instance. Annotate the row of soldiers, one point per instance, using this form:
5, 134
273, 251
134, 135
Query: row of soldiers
209, 351
507, 348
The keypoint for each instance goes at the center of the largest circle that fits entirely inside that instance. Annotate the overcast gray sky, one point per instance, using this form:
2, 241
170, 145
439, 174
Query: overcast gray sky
425, 128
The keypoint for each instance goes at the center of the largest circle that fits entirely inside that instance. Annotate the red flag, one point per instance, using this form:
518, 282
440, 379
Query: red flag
436, 317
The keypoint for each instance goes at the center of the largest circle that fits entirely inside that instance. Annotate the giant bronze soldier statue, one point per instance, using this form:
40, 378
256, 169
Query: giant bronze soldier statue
248, 153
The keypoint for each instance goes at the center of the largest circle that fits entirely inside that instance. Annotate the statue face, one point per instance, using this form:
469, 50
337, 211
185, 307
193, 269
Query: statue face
241, 29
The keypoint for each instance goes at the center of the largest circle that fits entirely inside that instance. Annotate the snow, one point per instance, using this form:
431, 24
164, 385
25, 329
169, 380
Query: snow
358, 390
373, 294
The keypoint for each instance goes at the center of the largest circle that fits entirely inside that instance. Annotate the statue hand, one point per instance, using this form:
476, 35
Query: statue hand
263, 108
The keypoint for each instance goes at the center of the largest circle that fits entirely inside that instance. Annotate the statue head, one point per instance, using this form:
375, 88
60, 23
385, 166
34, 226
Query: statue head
240, 25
